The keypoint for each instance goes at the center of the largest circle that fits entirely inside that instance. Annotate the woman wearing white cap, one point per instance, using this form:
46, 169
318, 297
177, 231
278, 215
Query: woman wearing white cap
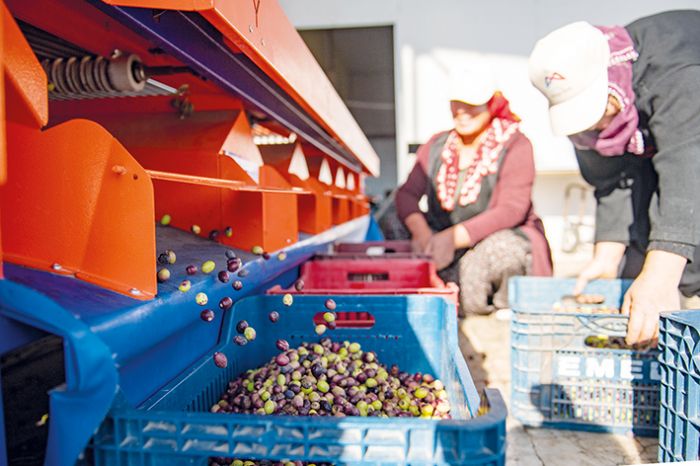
629, 99
480, 226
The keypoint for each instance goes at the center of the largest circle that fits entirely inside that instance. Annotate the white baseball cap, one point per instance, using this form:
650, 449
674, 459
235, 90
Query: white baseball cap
570, 67
473, 85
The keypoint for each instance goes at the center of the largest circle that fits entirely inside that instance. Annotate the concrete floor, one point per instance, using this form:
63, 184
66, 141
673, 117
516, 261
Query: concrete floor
485, 343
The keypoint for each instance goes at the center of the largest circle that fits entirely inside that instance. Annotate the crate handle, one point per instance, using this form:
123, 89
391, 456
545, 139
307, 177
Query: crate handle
347, 319
378, 250
605, 324
368, 277
582, 299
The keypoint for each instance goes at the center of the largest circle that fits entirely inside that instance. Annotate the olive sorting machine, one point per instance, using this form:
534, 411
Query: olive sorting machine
120, 116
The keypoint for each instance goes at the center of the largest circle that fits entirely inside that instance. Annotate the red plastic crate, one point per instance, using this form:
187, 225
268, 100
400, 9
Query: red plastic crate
374, 247
330, 275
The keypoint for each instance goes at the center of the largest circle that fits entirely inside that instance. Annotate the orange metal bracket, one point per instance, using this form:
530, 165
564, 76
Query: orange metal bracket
360, 206
3, 166
314, 207
26, 93
3, 159
341, 209
234, 185
76, 202
340, 199
198, 182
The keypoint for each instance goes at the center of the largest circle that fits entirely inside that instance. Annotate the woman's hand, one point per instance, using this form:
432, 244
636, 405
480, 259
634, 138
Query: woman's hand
442, 247
420, 232
655, 290
419, 243
605, 263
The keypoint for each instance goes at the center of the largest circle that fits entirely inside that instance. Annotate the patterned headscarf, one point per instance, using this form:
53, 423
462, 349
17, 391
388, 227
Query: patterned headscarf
622, 134
504, 124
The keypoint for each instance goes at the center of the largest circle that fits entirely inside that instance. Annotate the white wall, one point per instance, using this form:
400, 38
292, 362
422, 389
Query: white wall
430, 38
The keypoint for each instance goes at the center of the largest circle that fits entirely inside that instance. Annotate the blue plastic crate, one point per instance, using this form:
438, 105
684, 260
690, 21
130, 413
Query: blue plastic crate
679, 429
418, 333
559, 381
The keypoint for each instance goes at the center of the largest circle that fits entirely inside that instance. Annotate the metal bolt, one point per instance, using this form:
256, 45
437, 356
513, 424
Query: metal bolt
135, 292
56, 266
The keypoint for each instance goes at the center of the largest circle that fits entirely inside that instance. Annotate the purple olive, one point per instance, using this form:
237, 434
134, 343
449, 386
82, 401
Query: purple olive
207, 315
274, 316
163, 258
330, 305
233, 264
240, 340
191, 269
241, 326
237, 285
299, 285
298, 401
317, 370
243, 273
282, 359
282, 345
220, 360
223, 276
225, 304
213, 235
266, 255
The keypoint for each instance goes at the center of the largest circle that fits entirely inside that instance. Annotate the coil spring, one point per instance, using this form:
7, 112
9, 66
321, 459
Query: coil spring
95, 74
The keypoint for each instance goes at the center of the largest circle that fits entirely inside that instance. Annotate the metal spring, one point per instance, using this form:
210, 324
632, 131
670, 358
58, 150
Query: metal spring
90, 74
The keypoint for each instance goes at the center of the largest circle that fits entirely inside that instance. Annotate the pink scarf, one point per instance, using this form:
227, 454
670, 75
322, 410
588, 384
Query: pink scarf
622, 134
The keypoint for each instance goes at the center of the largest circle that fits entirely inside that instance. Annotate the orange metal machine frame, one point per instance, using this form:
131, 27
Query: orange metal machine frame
83, 181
